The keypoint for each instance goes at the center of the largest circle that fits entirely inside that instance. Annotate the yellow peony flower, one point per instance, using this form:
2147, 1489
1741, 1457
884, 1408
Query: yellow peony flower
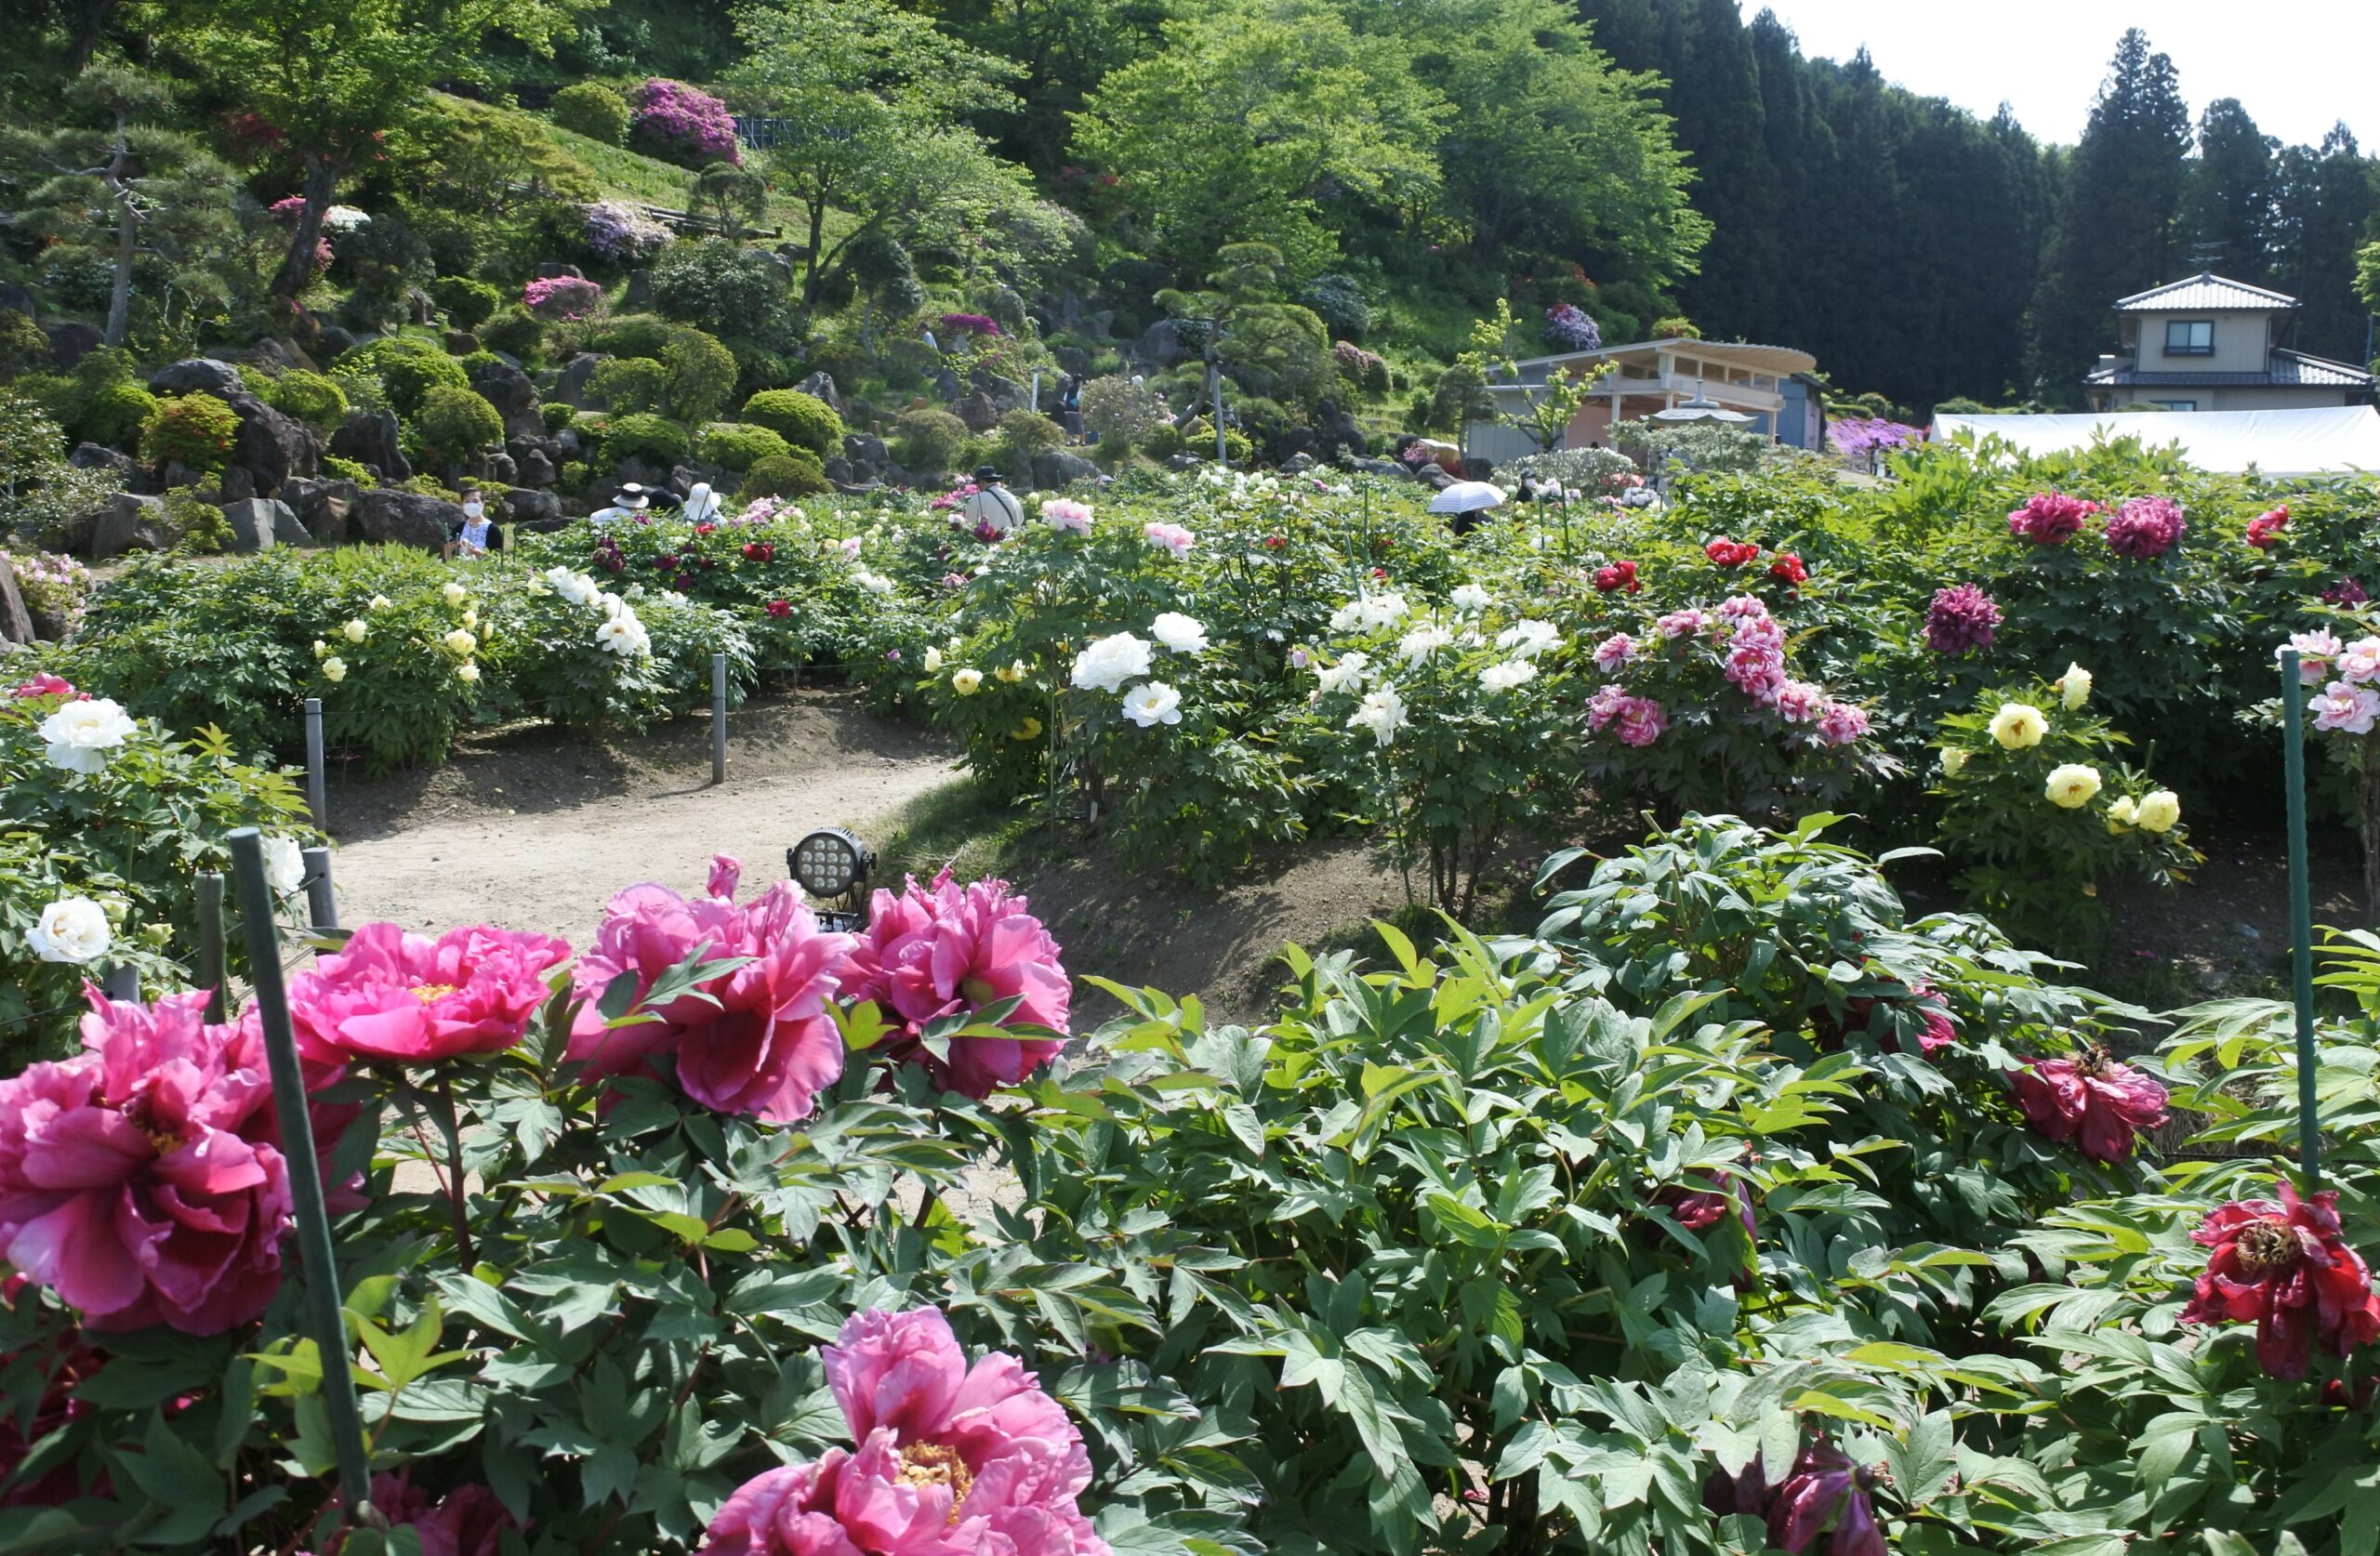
2018, 725
2158, 811
2120, 816
459, 642
966, 682
379, 603
472, 619
934, 660
467, 672
453, 594
334, 669
1954, 760
321, 647
2074, 687
1013, 672
1029, 730
2071, 786
356, 631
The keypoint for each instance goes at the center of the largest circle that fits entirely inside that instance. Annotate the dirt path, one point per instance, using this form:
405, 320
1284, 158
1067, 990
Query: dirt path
534, 829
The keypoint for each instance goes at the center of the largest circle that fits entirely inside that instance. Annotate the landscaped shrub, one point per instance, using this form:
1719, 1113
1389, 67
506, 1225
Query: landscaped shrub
683, 125
555, 298
515, 331
720, 286
456, 426
114, 416
467, 302
629, 384
1029, 434
310, 397
803, 420
592, 108
355, 471
925, 440
632, 335
24, 348
688, 380
192, 430
611, 233
195, 525
796, 474
407, 368
558, 415
1117, 410
737, 446
641, 436
1338, 300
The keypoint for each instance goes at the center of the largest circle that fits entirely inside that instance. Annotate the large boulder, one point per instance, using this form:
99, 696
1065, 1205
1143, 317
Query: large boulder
194, 374
1160, 343
514, 397
554, 270
535, 467
1377, 466
977, 410
638, 294
16, 297
321, 507
70, 341
128, 522
394, 518
260, 523
238, 484
15, 622
1006, 394
1060, 467
865, 449
370, 438
822, 385
570, 383
499, 467
114, 463
533, 509
273, 446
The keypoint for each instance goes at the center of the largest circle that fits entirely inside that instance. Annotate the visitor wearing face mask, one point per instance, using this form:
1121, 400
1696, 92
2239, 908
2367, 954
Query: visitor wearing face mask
475, 536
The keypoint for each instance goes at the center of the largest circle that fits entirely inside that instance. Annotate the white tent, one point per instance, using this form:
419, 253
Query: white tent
2276, 443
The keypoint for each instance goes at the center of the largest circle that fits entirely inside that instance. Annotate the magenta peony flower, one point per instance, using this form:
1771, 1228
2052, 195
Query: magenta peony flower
1859, 1012
1681, 624
946, 949
2145, 528
390, 996
2050, 517
45, 685
2265, 529
2345, 592
1641, 721
139, 1178
952, 1461
2093, 1101
1826, 1491
469, 1521
2286, 1268
755, 1039
1961, 620
1613, 652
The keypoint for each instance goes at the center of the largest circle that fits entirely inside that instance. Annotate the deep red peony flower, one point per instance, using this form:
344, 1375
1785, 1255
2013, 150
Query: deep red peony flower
2285, 1268
1725, 552
139, 1178
2264, 530
952, 1461
779, 608
1619, 577
759, 551
390, 996
2091, 1100
1826, 1491
469, 1521
755, 1039
1788, 568
946, 949
1858, 1015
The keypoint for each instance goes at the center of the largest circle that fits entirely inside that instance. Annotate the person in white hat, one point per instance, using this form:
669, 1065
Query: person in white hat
701, 505
631, 501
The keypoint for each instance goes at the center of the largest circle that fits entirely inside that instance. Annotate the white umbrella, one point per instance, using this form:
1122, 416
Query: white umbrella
1700, 408
1467, 497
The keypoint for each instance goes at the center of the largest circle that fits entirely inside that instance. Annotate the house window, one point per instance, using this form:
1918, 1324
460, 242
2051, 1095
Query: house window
2176, 404
2189, 337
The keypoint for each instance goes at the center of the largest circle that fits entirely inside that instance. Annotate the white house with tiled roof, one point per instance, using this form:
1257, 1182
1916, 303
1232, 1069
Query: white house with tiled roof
2207, 343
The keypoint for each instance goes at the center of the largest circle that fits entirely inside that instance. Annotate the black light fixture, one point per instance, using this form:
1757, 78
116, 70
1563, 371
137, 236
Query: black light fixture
832, 864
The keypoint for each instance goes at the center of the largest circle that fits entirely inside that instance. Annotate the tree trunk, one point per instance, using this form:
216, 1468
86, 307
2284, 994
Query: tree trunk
297, 265
811, 278
128, 236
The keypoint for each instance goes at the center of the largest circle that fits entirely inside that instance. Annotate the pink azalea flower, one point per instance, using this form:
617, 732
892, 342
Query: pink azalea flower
393, 996
1173, 537
755, 1039
2093, 1101
946, 949
139, 1178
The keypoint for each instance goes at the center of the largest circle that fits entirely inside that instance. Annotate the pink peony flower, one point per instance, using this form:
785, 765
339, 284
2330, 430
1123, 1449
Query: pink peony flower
2050, 517
2093, 1101
2349, 709
1744, 608
952, 1461
1826, 1491
1613, 652
1641, 721
1798, 702
1842, 723
469, 1521
1939, 1030
1173, 537
46, 685
393, 996
1605, 705
1726, 553
755, 1039
1681, 624
2145, 528
2359, 663
946, 949
139, 1178
1065, 513
2265, 529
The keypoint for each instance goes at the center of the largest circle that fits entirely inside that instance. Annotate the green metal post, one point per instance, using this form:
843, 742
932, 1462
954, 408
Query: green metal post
305, 1173
2301, 916
211, 961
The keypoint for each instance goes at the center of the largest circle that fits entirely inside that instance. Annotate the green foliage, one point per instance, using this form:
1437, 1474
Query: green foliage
926, 440
513, 330
1115, 410
407, 369
646, 437
310, 397
592, 110
114, 416
633, 335
683, 374
738, 445
41, 494
803, 420
794, 474
456, 426
1027, 433
355, 471
193, 430
468, 303
719, 286
24, 348
195, 526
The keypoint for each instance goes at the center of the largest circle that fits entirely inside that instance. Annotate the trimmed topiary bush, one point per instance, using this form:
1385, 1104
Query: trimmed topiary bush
336, 469
632, 335
592, 110
468, 303
515, 331
928, 439
739, 445
455, 425
192, 430
24, 348
650, 438
307, 396
803, 420
114, 416
407, 369
786, 475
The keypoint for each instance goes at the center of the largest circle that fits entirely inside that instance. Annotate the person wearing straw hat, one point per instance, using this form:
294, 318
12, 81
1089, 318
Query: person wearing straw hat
632, 502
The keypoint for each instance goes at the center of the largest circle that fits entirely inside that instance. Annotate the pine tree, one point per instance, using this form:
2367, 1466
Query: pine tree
2114, 229
2227, 213
2326, 208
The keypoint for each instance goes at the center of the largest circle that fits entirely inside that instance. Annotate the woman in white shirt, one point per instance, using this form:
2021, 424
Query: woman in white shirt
475, 536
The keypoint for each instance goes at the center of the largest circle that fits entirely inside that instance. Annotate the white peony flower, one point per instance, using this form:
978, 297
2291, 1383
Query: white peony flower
1383, 713
379, 603
1424, 642
932, 660
1527, 640
1368, 613
575, 588
334, 669
284, 864
468, 674
356, 631
81, 734
1155, 702
72, 930
2074, 687
459, 642
623, 635
1470, 598
874, 583
966, 682
453, 594
1178, 632
1505, 676
1109, 662
1346, 674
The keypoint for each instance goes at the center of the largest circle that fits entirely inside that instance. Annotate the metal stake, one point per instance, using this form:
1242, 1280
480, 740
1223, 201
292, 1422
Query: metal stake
211, 966
122, 983
2301, 916
317, 795
718, 718
305, 1173
321, 901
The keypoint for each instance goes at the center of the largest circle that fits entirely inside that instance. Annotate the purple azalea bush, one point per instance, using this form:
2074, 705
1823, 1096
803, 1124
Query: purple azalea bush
683, 123
1855, 438
1568, 327
618, 234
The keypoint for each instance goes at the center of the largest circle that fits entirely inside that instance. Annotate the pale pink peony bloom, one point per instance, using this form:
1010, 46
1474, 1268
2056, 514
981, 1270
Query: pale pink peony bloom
2360, 661
139, 1178
1799, 702
947, 949
1173, 537
1681, 624
1842, 723
756, 1039
1613, 652
390, 996
1605, 705
2349, 709
1066, 514
2315, 652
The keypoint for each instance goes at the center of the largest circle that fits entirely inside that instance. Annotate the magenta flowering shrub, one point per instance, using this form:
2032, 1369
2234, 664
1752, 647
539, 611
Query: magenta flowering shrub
561, 296
1961, 620
2145, 528
682, 123
970, 323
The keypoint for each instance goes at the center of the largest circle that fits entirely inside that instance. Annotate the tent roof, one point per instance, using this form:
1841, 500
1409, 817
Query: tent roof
2276, 443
